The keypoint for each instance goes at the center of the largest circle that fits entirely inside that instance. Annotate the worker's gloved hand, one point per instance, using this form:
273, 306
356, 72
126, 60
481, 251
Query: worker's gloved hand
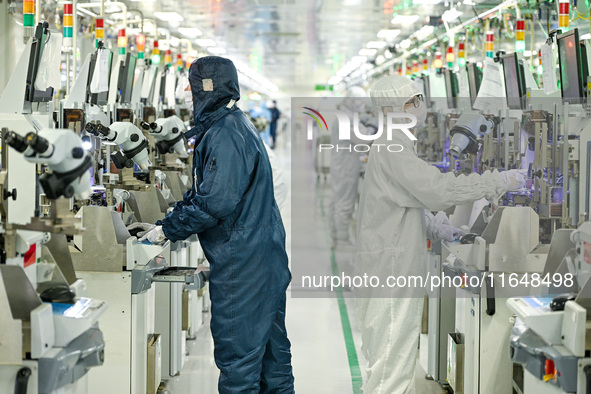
139, 229
370, 122
155, 236
449, 233
514, 179
439, 227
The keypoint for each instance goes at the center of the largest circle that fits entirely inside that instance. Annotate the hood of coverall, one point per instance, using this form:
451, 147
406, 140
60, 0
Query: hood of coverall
393, 91
214, 84
352, 99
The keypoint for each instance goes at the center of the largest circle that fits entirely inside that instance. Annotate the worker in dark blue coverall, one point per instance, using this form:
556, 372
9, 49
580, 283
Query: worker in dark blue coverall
232, 209
275, 114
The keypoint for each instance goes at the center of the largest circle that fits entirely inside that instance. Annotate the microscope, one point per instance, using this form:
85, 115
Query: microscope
168, 134
132, 143
61, 150
467, 130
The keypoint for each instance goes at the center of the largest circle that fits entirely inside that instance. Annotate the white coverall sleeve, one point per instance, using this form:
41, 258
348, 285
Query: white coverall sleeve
417, 184
280, 187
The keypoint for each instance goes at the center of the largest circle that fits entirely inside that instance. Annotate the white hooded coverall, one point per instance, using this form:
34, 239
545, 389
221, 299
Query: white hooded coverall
345, 169
280, 186
391, 240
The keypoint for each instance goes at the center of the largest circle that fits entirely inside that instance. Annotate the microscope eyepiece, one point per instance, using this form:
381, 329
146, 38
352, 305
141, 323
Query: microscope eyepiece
91, 128
37, 143
145, 125
104, 130
16, 141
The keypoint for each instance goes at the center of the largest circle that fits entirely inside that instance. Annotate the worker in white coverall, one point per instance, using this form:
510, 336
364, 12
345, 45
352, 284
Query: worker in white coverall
391, 236
280, 186
345, 170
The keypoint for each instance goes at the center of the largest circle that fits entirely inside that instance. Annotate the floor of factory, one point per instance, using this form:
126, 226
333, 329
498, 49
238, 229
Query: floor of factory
321, 349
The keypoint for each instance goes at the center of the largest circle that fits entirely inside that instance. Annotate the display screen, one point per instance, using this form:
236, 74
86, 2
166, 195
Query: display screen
33, 94
427, 90
571, 78
514, 81
98, 98
126, 78
474, 80
451, 88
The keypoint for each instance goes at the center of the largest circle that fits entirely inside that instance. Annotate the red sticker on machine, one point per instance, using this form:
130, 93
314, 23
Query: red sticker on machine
31, 255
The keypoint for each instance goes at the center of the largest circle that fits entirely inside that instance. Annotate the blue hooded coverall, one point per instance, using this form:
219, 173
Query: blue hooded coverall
232, 209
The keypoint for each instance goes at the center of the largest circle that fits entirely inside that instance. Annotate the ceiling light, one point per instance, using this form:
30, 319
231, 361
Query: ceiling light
112, 9
190, 32
380, 60
368, 52
426, 2
334, 80
343, 72
451, 15
358, 59
169, 16
388, 34
404, 19
405, 44
149, 27
174, 41
216, 50
255, 96
205, 42
376, 44
424, 32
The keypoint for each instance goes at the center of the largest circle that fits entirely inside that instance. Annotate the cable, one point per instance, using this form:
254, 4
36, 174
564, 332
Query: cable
579, 16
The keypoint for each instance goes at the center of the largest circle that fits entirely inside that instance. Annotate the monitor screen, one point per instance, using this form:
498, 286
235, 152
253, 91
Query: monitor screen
474, 81
514, 81
98, 98
427, 90
451, 88
126, 78
162, 94
571, 70
32, 94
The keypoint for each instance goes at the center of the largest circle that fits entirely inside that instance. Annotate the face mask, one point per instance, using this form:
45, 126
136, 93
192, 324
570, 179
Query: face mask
420, 113
189, 98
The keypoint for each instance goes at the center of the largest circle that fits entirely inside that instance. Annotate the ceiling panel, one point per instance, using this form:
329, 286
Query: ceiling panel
294, 43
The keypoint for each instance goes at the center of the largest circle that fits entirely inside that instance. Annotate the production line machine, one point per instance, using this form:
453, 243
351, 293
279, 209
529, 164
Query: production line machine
97, 175
469, 340
50, 337
147, 329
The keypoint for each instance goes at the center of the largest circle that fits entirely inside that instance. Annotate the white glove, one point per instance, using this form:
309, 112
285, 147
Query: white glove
145, 227
514, 179
449, 233
434, 222
370, 122
439, 227
155, 236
